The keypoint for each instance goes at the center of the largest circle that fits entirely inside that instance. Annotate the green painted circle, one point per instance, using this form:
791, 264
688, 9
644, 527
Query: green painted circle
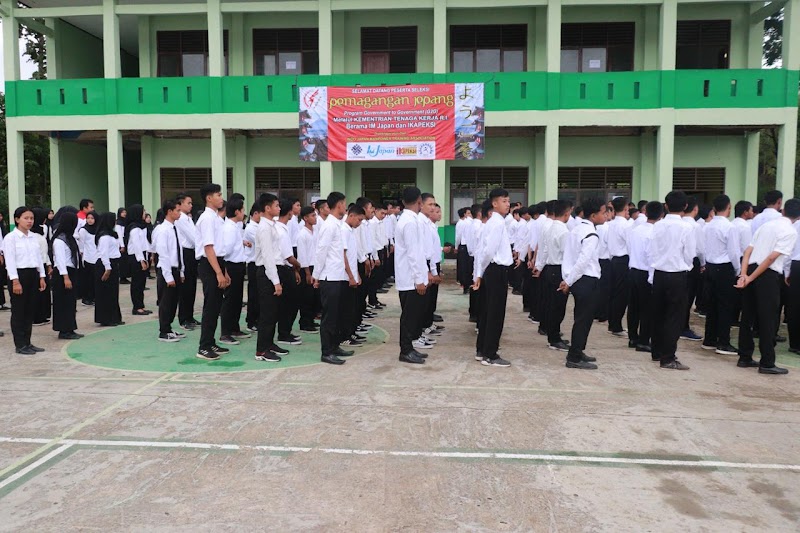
135, 347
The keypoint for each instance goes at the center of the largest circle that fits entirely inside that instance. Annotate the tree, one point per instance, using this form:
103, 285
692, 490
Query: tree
773, 39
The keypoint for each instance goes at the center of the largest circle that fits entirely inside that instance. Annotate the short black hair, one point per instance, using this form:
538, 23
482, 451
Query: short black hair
703, 211
307, 210
234, 204
168, 205
363, 201
84, 203
462, 212
266, 199
356, 210
486, 207
319, 203
619, 203
655, 210
541, 208
691, 203
334, 198
633, 211
550, 206
208, 189
560, 208
522, 211
475, 209
742, 207
721, 203
642, 205
255, 209
426, 195
237, 195
181, 196
676, 201
791, 208
286, 207
18, 212
592, 205
498, 193
772, 197
411, 195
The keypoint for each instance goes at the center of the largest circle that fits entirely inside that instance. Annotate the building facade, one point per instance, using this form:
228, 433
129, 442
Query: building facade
583, 97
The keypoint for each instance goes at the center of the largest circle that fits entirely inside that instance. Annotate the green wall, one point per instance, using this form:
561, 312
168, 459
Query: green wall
84, 174
80, 54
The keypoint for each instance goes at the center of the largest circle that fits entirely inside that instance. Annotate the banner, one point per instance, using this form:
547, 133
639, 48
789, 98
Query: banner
400, 123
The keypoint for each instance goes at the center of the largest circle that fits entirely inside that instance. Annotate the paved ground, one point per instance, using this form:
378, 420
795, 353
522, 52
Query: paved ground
379, 446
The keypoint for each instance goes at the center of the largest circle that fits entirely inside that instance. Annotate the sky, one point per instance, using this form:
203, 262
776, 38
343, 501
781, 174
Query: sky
26, 67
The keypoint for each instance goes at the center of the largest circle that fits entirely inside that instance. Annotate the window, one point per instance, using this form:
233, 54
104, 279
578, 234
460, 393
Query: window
389, 50
579, 183
703, 44
290, 182
470, 185
185, 53
704, 183
597, 47
488, 48
189, 180
286, 51
386, 184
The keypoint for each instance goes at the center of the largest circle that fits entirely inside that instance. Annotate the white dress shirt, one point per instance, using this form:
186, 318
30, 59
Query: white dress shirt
294, 226
617, 236
496, 246
22, 251
697, 228
285, 243
763, 217
672, 247
209, 232
329, 255
639, 248
511, 228
477, 270
233, 241
167, 248
410, 268
108, 249
43, 248
641, 218
87, 246
602, 245
268, 249
351, 248
721, 243
62, 257
120, 231
551, 247
433, 245
187, 233
138, 245
581, 253
472, 236
250, 233
306, 247
776, 235
795, 253
460, 231
743, 235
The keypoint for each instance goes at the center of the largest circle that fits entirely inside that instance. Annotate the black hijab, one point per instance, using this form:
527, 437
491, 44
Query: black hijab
91, 229
65, 231
121, 221
39, 218
60, 214
135, 220
105, 226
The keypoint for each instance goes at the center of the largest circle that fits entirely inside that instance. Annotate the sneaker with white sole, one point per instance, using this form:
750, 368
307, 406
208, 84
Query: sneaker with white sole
240, 335
269, 357
168, 337
428, 339
495, 362
209, 355
227, 339
420, 344
294, 341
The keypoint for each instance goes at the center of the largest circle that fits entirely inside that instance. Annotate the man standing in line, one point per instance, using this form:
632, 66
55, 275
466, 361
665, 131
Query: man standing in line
550, 257
772, 211
617, 241
640, 313
744, 216
289, 273
187, 233
269, 283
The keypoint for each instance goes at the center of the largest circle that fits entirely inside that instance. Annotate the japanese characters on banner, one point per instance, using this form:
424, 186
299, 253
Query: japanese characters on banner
405, 122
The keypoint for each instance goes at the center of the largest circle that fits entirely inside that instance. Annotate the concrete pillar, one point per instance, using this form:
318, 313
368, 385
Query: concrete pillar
550, 178
116, 172
755, 39
668, 26
651, 27
665, 160
219, 165
216, 50
749, 190
236, 46
111, 49
791, 35
10, 43
15, 152
57, 195
338, 32
51, 47
441, 189
240, 170
151, 181
554, 36
145, 66
325, 178
644, 185
787, 153
439, 39
325, 38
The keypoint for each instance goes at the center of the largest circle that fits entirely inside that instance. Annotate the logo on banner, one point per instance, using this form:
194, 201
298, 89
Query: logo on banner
356, 149
406, 151
426, 149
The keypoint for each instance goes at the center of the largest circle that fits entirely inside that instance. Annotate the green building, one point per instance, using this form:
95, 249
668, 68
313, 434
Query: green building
633, 97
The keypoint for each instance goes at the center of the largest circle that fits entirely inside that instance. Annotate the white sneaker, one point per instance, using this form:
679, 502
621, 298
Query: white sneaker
168, 337
421, 345
428, 339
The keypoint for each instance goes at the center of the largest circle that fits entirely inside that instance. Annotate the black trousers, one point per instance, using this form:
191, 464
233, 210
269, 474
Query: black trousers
168, 301
640, 308
525, 275
307, 299
350, 312
411, 304
329, 328
620, 292
65, 301
268, 314
106, 294
463, 270
252, 296
693, 289
720, 281
363, 288
535, 299
138, 281
704, 293
3, 283
793, 306
23, 306
669, 306
188, 290
212, 301
232, 300
603, 290
555, 302
86, 282
587, 300
124, 267
43, 310
494, 287
761, 298
374, 282
288, 304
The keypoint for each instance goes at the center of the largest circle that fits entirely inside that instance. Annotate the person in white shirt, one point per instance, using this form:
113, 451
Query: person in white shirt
88, 250
581, 272
412, 275
521, 249
744, 213
694, 283
294, 223
27, 277
604, 286
107, 273
66, 260
762, 266
366, 260
119, 229
137, 246
672, 252
773, 201
791, 272
170, 271
250, 251
492, 281
306, 250
528, 254
40, 231
640, 312
381, 241
331, 278
543, 224
462, 261
235, 265
433, 253
550, 259
617, 242
352, 297
289, 273
270, 288
187, 233
471, 241
211, 270
723, 261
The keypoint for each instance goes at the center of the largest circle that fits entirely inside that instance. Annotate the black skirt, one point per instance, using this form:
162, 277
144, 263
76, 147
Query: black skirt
106, 295
64, 301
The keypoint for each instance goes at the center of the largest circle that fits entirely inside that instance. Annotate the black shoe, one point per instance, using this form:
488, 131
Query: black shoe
71, 336
269, 357
497, 361
140, 313
382, 291
188, 326
294, 341
338, 352
437, 318
87, 303
515, 292
332, 360
466, 290
588, 358
207, 354
643, 348
583, 365
26, 350
674, 365
780, 338
196, 323
727, 349
4, 307
35, 348
772, 370
219, 350
411, 358
352, 342
749, 363
228, 339
559, 346
631, 344
473, 319
277, 350
309, 330
542, 332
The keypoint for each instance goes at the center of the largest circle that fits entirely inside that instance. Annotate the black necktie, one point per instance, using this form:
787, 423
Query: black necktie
178, 245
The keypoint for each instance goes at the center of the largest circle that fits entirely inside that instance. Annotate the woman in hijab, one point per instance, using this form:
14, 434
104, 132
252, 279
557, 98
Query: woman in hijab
42, 315
106, 273
137, 247
88, 250
119, 228
66, 259
3, 273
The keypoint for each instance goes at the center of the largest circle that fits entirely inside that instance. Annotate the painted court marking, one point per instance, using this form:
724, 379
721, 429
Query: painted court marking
36, 464
547, 458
